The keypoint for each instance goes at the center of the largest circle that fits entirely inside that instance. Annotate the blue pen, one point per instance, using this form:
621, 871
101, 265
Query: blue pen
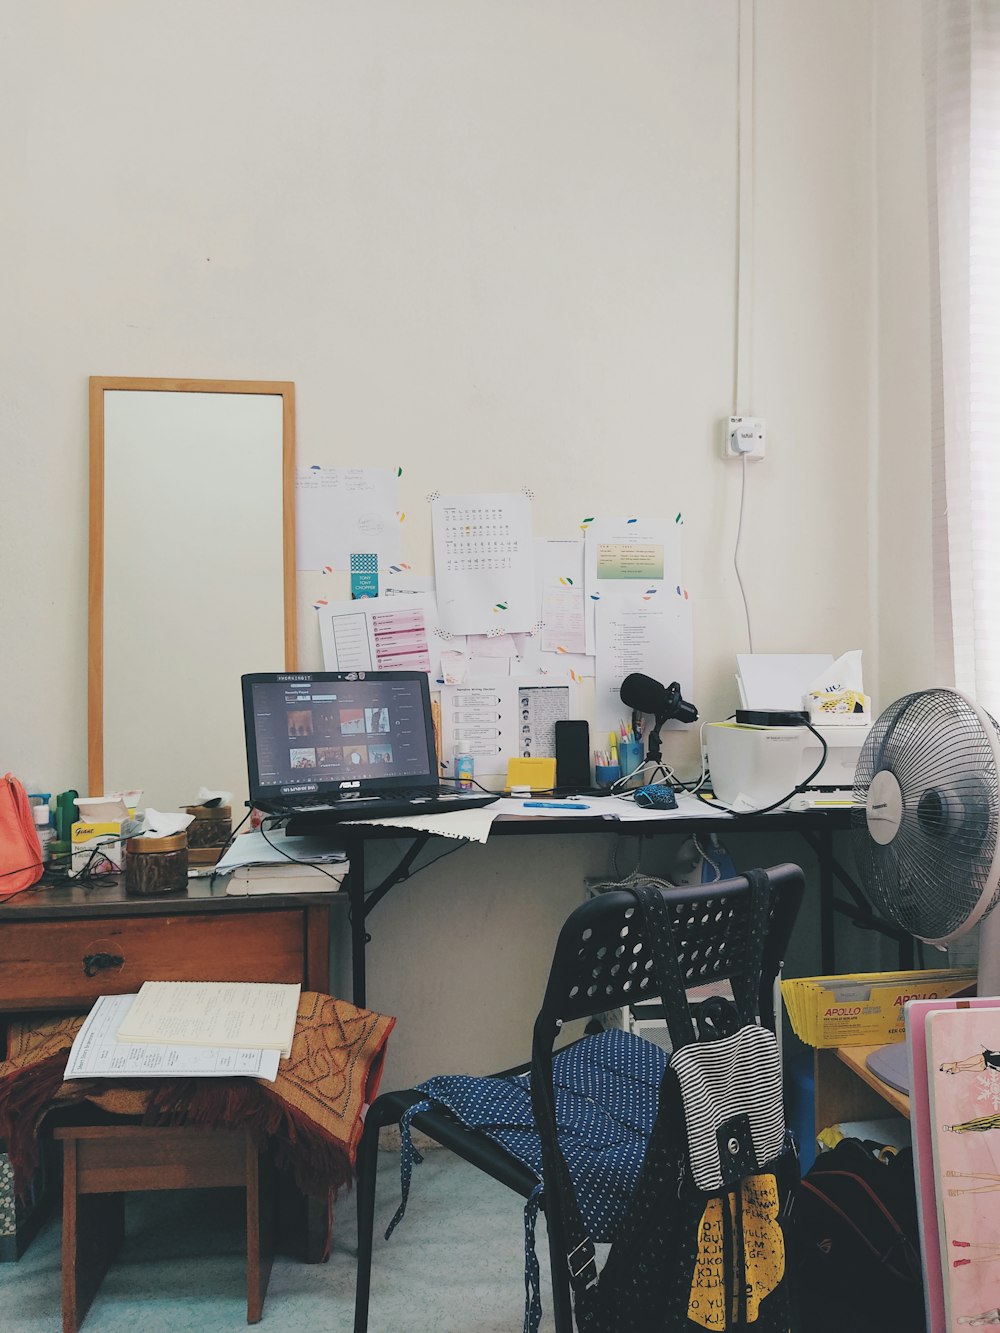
555, 805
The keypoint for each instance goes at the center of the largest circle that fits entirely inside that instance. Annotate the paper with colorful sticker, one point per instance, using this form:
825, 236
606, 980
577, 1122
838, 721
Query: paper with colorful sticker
483, 562
625, 557
382, 634
653, 637
502, 717
340, 510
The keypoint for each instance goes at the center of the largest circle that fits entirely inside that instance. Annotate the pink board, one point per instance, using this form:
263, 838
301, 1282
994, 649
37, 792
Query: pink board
963, 1079
915, 1015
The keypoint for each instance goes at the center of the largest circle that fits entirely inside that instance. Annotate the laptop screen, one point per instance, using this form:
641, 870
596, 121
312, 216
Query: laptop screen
338, 732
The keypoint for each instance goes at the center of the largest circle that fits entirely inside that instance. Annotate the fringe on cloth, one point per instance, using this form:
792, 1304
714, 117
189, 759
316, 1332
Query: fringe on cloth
26, 1097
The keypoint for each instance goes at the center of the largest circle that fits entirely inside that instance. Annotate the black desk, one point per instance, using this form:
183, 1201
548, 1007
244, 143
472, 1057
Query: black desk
815, 827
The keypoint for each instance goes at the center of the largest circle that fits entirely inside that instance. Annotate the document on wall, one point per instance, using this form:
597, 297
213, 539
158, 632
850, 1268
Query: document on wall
561, 576
652, 637
97, 1053
343, 510
502, 717
384, 634
624, 556
483, 562
214, 1013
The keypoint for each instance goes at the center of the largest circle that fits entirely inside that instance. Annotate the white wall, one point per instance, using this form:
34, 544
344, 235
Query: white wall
495, 243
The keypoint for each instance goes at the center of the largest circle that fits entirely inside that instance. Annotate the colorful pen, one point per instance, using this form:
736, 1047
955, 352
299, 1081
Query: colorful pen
555, 805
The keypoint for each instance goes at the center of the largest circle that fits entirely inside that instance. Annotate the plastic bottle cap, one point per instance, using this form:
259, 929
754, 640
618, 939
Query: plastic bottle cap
40, 814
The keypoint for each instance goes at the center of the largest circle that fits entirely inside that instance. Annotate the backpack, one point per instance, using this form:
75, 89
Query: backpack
858, 1242
21, 862
704, 1238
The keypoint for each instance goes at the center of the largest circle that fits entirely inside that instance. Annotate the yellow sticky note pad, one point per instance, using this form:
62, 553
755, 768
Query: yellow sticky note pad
538, 774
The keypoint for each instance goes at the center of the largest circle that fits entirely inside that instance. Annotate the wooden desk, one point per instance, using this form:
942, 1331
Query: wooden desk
815, 827
60, 948
846, 1089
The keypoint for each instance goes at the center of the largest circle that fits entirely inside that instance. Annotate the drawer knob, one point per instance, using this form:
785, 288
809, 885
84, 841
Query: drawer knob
100, 962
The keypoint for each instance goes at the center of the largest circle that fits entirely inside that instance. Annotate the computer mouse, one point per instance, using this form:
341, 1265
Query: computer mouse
656, 796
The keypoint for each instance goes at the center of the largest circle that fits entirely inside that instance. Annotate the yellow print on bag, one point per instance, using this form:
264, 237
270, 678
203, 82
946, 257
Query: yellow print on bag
763, 1254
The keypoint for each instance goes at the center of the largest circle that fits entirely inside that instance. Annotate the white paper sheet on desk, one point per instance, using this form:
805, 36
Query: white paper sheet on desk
473, 825
599, 808
343, 510
254, 849
96, 1052
688, 807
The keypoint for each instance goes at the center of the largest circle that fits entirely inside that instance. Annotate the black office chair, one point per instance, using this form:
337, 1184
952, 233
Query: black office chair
593, 970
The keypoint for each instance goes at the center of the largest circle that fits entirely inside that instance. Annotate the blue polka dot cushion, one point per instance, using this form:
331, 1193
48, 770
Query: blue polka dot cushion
607, 1090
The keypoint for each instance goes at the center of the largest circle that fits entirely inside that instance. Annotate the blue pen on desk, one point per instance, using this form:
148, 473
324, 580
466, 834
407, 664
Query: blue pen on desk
555, 805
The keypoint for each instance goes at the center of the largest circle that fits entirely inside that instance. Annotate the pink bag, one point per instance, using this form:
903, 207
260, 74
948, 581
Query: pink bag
20, 851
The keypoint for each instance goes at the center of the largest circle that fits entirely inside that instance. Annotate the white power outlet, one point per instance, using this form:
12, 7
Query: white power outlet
743, 436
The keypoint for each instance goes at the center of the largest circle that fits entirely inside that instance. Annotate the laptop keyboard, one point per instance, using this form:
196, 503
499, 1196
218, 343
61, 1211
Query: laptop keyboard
436, 800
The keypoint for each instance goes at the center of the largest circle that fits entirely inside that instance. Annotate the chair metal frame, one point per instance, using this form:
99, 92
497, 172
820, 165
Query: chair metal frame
601, 962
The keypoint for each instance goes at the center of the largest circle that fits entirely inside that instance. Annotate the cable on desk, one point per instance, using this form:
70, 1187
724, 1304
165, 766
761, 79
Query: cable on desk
796, 791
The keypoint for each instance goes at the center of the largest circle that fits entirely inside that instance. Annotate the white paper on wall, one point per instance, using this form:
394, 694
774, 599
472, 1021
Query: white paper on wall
628, 556
500, 718
483, 562
343, 510
384, 634
652, 637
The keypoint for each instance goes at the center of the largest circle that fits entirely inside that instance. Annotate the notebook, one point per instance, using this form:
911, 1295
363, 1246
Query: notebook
345, 745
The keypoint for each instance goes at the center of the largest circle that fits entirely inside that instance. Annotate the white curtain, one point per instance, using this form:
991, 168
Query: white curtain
962, 39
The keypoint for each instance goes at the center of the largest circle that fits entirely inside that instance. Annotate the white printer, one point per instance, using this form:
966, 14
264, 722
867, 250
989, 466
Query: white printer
765, 754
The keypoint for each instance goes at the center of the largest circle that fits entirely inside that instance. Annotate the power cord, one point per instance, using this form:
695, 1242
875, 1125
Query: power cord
796, 791
736, 550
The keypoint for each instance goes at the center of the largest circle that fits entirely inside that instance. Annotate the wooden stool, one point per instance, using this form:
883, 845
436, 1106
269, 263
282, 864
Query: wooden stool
103, 1163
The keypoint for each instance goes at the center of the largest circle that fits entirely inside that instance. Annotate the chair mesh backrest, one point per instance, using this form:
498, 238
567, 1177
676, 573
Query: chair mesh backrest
602, 959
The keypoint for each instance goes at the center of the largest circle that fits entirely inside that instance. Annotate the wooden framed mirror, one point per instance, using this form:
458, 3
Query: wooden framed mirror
191, 579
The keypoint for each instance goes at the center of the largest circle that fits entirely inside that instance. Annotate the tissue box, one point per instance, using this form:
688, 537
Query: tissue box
839, 708
86, 837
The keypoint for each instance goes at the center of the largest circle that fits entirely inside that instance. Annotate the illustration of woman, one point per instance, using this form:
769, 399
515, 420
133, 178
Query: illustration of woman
977, 1126
972, 1064
987, 1318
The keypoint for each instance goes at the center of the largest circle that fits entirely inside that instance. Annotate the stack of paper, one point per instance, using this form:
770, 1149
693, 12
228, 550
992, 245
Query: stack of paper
864, 1008
187, 1029
276, 863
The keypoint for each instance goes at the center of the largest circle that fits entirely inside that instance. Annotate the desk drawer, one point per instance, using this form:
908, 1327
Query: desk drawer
43, 963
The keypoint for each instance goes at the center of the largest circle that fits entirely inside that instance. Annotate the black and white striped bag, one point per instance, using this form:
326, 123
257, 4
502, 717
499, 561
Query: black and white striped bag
703, 1242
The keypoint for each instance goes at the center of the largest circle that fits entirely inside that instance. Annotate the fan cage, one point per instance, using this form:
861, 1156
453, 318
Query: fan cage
938, 875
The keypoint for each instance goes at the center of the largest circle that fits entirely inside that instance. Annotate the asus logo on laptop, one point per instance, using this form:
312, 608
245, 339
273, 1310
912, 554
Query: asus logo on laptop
342, 785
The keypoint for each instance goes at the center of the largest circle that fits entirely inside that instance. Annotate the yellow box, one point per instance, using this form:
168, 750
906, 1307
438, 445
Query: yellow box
86, 838
538, 774
864, 1008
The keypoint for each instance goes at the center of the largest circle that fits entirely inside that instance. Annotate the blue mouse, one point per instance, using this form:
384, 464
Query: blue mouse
656, 796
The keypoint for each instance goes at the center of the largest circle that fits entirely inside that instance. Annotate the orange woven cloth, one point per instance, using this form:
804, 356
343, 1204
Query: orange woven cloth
314, 1109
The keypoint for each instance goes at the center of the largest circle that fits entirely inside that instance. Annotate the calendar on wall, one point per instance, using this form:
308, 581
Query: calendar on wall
483, 560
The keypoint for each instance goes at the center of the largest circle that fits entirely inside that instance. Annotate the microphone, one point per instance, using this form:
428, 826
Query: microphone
663, 701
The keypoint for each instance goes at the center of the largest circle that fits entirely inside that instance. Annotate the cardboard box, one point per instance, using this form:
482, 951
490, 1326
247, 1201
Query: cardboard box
864, 1008
87, 838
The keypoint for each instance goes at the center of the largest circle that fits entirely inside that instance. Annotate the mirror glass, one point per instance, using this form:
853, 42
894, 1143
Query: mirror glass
192, 510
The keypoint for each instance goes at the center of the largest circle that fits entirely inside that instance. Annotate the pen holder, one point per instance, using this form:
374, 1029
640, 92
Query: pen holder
630, 754
606, 774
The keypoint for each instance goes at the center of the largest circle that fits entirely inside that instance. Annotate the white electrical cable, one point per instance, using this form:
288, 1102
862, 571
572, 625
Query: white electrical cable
736, 551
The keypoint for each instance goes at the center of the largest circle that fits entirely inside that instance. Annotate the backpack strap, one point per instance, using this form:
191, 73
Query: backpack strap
746, 986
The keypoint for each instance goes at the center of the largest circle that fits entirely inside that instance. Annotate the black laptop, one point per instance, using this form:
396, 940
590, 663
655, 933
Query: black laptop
333, 745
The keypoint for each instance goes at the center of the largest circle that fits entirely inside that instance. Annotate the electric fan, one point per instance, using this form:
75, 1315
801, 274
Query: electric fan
927, 819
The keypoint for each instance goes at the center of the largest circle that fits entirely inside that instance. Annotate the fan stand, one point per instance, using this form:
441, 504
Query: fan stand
989, 954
